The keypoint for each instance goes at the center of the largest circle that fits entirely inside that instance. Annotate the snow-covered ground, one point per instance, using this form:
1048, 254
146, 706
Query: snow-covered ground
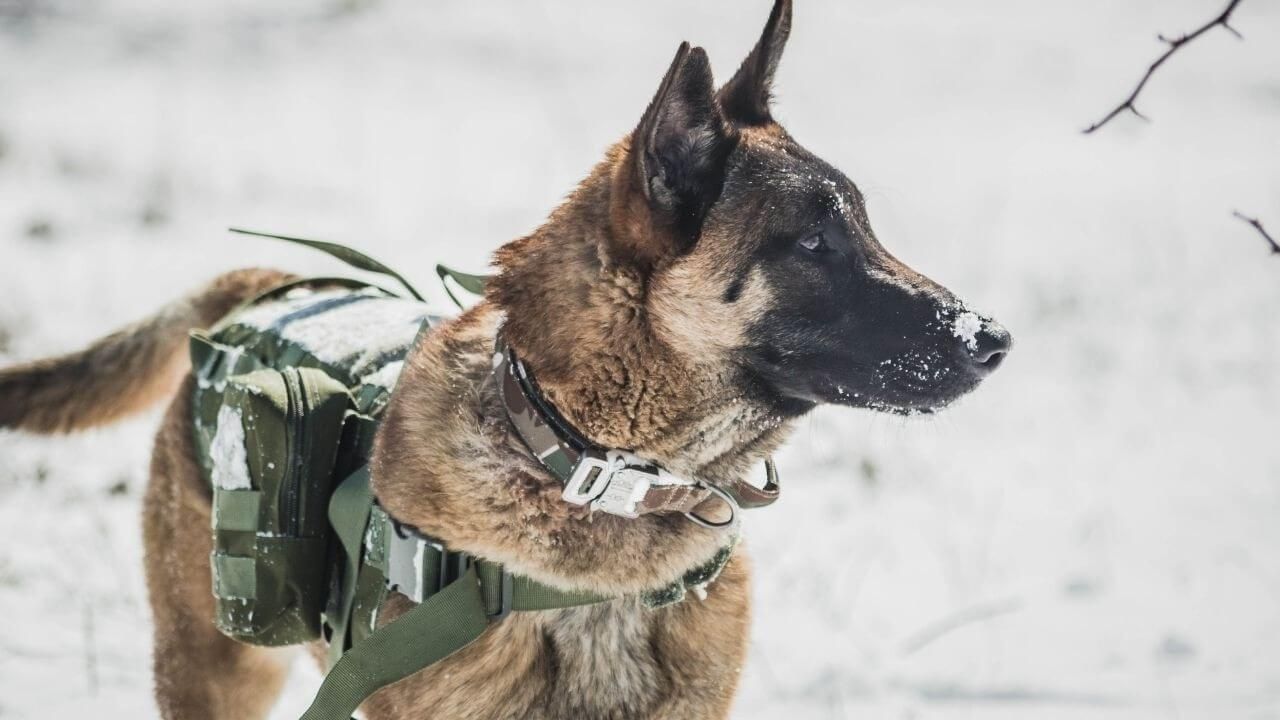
1093, 534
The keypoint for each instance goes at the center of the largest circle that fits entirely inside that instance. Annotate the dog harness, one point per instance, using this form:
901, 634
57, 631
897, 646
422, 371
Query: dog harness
289, 391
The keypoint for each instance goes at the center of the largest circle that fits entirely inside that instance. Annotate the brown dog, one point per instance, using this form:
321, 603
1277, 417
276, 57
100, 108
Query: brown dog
707, 284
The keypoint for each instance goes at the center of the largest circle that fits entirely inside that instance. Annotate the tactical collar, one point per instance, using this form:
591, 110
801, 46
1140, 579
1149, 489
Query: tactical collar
611, 480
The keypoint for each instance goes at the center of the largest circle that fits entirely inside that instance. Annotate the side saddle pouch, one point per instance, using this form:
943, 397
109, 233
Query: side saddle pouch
272, 470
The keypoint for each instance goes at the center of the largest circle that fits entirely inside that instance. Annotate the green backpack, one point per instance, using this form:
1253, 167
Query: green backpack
288, 389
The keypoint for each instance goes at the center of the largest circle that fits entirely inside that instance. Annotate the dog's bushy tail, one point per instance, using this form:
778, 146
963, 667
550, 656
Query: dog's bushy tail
126, 371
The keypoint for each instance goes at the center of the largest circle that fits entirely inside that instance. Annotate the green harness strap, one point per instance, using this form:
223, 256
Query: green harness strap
349, 508
442, 624
529, 594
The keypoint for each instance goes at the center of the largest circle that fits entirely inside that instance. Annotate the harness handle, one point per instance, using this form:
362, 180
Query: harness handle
473, 284
354, 258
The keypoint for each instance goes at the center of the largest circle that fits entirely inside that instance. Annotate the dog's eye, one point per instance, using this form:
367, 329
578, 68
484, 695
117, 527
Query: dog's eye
814, 242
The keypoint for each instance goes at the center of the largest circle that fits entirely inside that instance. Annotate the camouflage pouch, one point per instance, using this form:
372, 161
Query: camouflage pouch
272, 459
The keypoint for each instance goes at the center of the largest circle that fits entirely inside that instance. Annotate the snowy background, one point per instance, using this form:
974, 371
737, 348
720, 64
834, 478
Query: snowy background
1094, 534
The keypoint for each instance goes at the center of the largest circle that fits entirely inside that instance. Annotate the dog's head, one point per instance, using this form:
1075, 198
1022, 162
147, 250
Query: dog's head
757, 256
763, 250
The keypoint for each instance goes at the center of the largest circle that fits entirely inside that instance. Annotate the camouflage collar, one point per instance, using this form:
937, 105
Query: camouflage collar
611, 480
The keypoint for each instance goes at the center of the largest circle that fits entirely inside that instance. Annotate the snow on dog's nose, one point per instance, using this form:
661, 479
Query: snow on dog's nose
983, 341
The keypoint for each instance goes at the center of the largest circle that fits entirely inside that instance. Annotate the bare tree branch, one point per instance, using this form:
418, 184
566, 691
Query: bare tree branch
1223, 19
1275, 247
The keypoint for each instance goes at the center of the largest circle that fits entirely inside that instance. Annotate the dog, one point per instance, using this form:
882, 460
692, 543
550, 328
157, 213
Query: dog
707, 284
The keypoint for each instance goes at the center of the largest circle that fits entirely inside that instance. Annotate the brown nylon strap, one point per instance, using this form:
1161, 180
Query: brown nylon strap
749, 496
672, 498
685, 498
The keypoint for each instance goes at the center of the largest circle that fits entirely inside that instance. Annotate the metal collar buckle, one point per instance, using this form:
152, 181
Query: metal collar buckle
613, 481
616, 482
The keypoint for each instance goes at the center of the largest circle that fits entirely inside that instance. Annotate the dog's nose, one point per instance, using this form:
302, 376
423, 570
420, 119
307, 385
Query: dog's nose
990, 344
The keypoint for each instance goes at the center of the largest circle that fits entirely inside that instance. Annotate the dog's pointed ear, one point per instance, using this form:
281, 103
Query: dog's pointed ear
676, 162
745, 98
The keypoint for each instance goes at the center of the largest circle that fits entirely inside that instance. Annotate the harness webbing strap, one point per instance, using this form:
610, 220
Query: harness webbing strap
526, 594
418, 566
363, 659
349, 508
442, 625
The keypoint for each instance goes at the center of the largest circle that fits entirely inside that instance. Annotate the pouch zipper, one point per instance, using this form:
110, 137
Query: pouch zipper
295, 446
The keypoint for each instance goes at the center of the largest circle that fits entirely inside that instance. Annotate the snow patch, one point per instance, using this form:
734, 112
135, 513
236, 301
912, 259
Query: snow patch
228, 453
966, 326
232, 359
699, 591
386, 376
341, 327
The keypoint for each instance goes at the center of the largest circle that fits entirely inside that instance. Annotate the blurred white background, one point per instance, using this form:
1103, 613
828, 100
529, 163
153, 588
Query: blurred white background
1093, 534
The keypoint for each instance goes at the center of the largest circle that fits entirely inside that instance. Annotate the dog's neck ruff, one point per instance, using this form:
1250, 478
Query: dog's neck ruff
610, 480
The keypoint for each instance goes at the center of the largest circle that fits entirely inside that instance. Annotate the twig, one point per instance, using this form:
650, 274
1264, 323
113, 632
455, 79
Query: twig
1223, 19
1257, 225
957, 620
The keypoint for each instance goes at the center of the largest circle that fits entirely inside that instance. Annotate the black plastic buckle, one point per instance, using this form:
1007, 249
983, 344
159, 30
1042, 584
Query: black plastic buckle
453, 565
504, 597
